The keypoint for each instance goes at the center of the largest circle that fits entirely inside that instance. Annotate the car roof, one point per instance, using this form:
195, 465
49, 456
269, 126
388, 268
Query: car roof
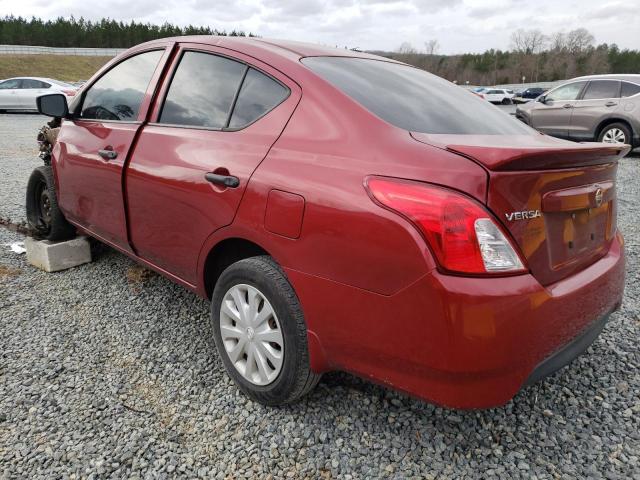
43, 79
635, 78
283, 48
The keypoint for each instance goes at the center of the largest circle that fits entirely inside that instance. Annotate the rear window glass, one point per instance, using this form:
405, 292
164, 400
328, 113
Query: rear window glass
258, 95
601, 89
202, 91
629, 89
413, 99
31, 83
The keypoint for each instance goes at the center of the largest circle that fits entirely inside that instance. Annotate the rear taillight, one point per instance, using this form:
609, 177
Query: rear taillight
69, 93
461, 234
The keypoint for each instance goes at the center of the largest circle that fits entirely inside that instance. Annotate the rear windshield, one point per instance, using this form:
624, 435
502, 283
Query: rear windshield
413, 99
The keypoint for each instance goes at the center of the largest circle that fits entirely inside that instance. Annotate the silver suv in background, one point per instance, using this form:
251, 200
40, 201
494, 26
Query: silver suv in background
604, 108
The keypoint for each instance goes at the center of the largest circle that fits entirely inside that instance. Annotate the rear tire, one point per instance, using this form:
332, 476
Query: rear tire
616, 133
260, 285
506, 101
43, 214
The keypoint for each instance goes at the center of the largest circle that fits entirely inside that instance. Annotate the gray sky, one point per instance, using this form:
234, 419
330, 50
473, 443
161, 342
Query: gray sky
458, 25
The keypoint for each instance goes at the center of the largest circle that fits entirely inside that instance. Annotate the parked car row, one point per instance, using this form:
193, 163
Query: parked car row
603, 108
495, 95
20, 93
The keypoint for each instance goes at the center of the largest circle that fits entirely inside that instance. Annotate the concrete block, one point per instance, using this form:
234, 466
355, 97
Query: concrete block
56, 256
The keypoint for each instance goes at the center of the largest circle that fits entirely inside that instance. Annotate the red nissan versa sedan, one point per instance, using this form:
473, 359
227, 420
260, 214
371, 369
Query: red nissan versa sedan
342, 212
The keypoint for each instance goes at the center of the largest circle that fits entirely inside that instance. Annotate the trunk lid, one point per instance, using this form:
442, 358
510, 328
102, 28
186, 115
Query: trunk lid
557, 199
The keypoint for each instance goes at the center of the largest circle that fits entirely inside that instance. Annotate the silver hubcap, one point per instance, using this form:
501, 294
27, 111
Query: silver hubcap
614, 135
251, 334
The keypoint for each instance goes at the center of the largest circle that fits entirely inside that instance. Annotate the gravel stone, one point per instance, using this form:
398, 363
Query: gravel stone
107, 373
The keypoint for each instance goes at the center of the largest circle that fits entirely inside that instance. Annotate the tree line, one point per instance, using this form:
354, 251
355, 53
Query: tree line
532, 55
105, 33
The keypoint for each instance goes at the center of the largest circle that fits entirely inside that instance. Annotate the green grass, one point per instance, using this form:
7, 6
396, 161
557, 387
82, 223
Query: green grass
61, 67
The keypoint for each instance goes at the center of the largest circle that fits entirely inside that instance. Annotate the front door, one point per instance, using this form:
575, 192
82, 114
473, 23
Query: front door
93, 146
9, 93
553, 116
214, 123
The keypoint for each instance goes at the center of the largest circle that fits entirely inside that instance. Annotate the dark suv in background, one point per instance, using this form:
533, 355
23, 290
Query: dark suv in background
529, 94
605, 108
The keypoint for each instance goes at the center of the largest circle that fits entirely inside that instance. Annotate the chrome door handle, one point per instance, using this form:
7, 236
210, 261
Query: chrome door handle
610, 104
568, 105
108, 154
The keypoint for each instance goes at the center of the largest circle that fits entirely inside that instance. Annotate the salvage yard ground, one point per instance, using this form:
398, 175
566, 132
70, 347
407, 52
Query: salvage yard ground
108, 369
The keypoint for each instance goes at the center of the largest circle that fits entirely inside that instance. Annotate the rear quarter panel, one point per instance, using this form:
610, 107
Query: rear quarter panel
324, 154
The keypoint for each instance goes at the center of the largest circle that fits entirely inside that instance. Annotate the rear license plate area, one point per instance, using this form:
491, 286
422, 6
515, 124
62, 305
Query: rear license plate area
577, 235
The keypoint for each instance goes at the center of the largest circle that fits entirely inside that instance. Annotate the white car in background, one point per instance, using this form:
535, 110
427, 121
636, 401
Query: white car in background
20, 93
497, 95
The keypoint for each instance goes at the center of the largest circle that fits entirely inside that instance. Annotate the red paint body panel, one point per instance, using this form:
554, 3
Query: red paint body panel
461, 342
374, 299
284, 213
559, 242
90, 187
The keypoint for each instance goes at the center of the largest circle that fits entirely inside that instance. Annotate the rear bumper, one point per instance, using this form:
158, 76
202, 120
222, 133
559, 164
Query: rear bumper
458, 341
568, 353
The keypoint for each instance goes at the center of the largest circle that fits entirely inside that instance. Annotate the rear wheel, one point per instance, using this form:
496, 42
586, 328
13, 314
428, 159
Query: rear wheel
617, 133
43, 214
260, 332
506, 101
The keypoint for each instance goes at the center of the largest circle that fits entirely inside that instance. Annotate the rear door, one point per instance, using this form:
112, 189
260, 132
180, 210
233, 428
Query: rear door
216, 118
598, 102
29, 91
494, 95
553, 117
93, 147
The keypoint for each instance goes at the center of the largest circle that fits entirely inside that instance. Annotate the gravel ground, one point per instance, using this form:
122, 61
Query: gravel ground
106, 371
18, 158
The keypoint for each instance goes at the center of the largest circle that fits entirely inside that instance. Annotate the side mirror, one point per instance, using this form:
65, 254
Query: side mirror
53, 105
542, 99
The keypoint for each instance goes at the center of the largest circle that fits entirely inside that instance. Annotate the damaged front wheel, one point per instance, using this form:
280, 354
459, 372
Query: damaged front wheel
43, 214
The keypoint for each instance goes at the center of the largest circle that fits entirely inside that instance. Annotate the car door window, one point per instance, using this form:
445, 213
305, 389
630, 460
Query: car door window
600, 89
28, 83
202, 91
629, 89
258, 95
566, 92
118, 94
10, 84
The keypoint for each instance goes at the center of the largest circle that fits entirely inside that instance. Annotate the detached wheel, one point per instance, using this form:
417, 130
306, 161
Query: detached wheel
43, 215
617, 133
260, 332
